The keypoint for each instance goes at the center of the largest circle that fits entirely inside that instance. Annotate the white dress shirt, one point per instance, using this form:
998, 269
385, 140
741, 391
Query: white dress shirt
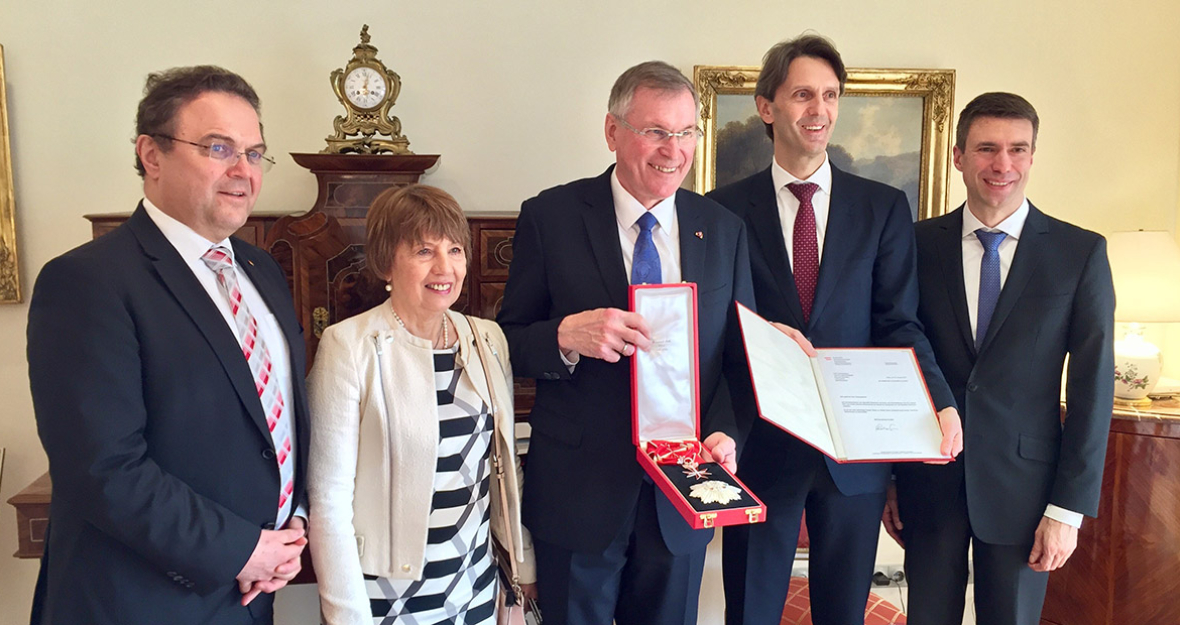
665, 235
191, 247
788, 204
1013, 226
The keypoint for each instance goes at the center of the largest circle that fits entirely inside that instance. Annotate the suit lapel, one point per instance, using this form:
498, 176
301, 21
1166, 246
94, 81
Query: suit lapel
603, 232
1029, 255
842, 227
767, 228
692, 248
949, 247
179, 280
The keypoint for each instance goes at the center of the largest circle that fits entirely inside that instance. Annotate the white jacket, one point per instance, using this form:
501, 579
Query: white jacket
374, 449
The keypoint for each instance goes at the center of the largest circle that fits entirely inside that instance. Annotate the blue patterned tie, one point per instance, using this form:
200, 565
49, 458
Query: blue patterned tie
645, 264
989, 281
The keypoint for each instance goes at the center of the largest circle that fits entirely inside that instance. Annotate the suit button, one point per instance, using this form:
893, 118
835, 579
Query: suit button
171, 574
972, 387
268, 453
268, 526
188, 585
406, 568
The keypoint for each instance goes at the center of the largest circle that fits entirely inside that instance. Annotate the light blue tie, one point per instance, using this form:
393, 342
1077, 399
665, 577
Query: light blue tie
989, 281
645, 263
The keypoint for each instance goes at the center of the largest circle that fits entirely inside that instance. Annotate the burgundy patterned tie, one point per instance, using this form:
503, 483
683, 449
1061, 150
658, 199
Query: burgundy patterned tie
805, 246
219, 260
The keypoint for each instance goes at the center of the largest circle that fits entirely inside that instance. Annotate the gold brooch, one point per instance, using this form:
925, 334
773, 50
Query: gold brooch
715, 491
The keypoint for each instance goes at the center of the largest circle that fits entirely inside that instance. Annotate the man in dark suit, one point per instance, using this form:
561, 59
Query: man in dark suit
832, 256
1006, 293
166, 366
609, 545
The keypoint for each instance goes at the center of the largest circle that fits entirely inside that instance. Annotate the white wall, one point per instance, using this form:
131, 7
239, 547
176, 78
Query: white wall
513, 94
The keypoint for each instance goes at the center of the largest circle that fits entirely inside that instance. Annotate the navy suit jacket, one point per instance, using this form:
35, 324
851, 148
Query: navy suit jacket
582, 475
866, 296
1017, 457
163, 468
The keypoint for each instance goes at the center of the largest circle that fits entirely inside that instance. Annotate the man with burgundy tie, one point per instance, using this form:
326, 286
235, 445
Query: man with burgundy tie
833, 257
610, 546
1006, 293
166, 366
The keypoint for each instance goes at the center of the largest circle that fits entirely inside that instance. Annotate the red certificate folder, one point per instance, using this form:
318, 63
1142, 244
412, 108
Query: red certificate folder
665, 409
854, 405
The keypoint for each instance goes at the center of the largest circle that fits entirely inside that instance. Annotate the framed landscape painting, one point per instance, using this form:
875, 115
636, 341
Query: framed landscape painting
894, 126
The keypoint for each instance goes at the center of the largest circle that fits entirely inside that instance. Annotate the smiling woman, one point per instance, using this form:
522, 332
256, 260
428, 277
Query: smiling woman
409, 414
9, 278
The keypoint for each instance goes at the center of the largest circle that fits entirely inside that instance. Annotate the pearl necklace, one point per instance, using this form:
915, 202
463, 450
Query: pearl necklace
446, 339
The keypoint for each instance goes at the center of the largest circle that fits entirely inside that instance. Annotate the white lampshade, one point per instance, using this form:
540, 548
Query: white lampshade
1146, 268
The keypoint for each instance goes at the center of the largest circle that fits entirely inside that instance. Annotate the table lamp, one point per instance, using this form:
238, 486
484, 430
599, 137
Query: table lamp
1146, 270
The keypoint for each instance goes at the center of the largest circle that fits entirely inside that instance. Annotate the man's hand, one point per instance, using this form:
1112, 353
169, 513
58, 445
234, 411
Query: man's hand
952, 434
890, 518
270, 566
1054, 542
604, 333
797, 336
720, 448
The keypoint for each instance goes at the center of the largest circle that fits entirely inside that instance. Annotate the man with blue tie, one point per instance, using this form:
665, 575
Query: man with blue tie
1007, 292
609, 545
832, 256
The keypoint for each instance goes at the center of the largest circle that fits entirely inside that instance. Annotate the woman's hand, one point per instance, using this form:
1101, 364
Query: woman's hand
530, 592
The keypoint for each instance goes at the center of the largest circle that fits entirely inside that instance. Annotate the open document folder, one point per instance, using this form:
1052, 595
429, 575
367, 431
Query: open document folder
854, 405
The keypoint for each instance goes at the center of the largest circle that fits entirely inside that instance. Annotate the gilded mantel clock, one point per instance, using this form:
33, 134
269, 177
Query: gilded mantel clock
367, 89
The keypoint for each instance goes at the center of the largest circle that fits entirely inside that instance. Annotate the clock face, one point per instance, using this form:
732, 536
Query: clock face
364, 87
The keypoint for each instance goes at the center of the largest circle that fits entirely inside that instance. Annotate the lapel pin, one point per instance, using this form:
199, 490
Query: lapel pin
700, 235
250, 262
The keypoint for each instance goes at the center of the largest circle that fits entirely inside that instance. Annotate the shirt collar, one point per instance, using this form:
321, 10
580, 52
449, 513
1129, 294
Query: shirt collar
628, 209
821, 177
187, 242
1012, 226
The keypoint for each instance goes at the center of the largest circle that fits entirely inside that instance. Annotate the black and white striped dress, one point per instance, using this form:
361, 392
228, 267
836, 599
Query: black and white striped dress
458, 582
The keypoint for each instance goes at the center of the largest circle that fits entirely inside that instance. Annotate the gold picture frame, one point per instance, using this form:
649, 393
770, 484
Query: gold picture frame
934, 89
9, 273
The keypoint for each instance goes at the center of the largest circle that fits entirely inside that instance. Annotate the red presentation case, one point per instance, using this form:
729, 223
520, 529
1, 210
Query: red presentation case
666, 421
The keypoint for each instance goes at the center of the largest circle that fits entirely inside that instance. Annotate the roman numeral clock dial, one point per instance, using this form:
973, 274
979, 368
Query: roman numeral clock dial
367, 90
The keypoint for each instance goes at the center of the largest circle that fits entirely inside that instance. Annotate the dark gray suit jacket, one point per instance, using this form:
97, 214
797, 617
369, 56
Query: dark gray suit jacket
866, 296
582, 474
163, 468
1017, 456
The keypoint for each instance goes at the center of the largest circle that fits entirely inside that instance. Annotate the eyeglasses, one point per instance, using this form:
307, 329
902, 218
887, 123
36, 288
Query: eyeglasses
227, 153
659, 135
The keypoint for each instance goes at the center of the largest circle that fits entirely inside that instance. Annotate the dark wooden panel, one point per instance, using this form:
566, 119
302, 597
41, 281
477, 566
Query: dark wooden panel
254, 232
32, 517
1124, 569
495, 253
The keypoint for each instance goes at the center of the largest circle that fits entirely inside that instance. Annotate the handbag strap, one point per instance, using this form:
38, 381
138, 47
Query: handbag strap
498, 461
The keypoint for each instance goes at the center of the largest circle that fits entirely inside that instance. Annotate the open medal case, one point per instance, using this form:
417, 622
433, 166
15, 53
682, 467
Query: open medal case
666, 414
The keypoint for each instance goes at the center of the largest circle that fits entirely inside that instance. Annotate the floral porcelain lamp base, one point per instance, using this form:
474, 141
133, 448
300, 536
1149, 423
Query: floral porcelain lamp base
1137, 366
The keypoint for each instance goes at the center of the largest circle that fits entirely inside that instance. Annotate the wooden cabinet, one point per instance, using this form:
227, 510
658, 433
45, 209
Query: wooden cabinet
1125, 567
254, 232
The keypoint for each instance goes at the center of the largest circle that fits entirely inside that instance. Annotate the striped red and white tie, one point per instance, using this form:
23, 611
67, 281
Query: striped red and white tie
218, 259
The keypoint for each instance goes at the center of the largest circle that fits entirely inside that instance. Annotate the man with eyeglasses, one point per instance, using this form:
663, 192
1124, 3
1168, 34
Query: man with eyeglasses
609, 544
832, 256
166, 366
